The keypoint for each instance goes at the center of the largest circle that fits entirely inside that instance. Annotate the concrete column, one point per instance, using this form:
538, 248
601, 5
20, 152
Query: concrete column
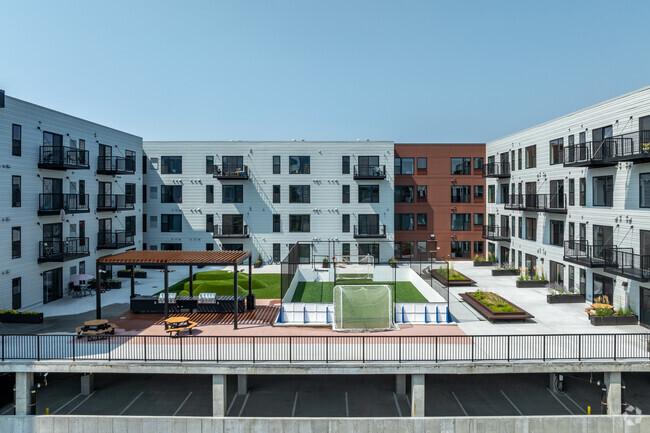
242, 384
613, 382
24, 384
400, 384
417, 395
219, 395
87, 384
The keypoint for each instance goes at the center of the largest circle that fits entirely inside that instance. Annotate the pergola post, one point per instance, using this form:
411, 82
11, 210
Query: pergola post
98, 289
166, 292
250, 300
132, 282
191, 281
236, 293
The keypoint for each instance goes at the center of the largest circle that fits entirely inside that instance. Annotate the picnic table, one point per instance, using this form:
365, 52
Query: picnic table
174, 325
96, 329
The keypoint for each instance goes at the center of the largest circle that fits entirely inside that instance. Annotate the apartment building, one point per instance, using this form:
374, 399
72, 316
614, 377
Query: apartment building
337, 197
439, 200
572, 196
74, 197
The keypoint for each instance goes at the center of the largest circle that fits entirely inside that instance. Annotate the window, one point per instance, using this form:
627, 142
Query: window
557, 151
209, 193
512, 160
478, 163
153, 221
52, 285
233, 166
299, 194
277, 248
461, 221
491, 193
531, 229
345, 164
16, 139
209, 223
276, 223
504, 193
171, 246
478, 219
461, 194
519, 159
16, 301
276, 164
15, 242
422, 192
531, 156
171, 194
404, 221
422, 163
572, 277
299, 223
603, 190
144, 193
129, 193
572, 192
583, 191
479, 247
170, 223
520, 227
345, 223
144, 224
461, 165
345, 250
15, 191
346, 194
478, 191
145, 161
299, 165
404, 166
557, 233
422, 220
172, 164
368, 193
460, 250
644, 190
403, 194
209, 164
209, 246
276, 193
153, 192
232, 193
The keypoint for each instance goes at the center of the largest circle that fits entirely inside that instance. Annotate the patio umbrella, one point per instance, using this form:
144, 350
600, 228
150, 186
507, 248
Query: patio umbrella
81, 277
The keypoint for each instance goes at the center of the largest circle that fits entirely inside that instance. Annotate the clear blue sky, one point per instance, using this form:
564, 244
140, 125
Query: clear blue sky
409, 71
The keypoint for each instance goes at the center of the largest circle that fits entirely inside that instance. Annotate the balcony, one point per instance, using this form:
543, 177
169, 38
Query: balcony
497, 169
496, 233
583, 254
231, 231
53, 204
115, 165
369, 172
370, 231
231, 172
115, 202
634, 147
551, 203
114, 240
58, 250
623, 262
63, 158
591, 154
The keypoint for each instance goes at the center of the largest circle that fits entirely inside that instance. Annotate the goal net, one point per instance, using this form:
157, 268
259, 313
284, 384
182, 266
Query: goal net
363, 308
354, 268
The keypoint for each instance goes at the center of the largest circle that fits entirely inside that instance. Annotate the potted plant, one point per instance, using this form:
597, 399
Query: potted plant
482, 261
15, 316
258, 262
392, 262
326, 263
558, 294
526, 280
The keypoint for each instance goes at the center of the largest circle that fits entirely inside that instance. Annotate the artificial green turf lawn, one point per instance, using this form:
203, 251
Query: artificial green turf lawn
271, 291
323, 291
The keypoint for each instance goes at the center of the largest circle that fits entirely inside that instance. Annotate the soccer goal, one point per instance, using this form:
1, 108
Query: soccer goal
363, 308
354, 268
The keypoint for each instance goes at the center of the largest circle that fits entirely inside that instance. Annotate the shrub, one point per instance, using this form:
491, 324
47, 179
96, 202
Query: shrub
493, 302
605, 312
18, 312
479, 259
213, 275
184, 293
492, 257
625, 311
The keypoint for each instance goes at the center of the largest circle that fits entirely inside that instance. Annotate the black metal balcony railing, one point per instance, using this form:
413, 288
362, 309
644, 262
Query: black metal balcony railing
59, 250
231, 171
53, 204
496, 233
552, 203
623, 262
115, 239
581, 253
634, 146
230, 231
609, 151
496, 169
115, 202
370, 231
115, 165
370, 172
63, 158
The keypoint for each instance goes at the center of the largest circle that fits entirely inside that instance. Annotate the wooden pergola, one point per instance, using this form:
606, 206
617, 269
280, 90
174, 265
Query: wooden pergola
165, 259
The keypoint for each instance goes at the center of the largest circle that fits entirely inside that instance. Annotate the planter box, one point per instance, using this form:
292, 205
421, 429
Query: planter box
452, 283
485, 263
504, 272
117, 285
257, 264
613, 320
565, 299
21, 318
520, 314
531, 284
127, 274
326, 265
